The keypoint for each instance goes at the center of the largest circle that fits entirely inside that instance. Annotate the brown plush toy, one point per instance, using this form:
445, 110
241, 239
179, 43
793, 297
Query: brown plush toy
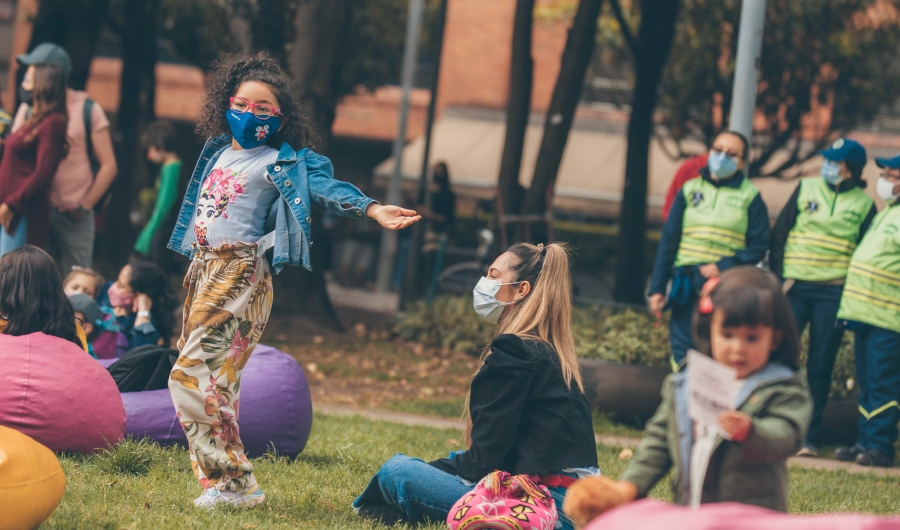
592, 496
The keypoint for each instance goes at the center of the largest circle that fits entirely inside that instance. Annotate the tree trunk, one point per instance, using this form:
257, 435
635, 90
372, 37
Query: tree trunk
566, 93
415, 282
315, 62
74, 25
518, 106
135, 112
654, 42
316, 58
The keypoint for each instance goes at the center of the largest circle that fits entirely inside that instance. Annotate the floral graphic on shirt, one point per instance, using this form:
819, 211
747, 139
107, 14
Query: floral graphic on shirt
221, 188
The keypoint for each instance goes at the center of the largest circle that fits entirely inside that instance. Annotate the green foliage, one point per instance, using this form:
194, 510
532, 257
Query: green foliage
130, 457
627, 337
815, 52
198, 30
449, 322
614, 335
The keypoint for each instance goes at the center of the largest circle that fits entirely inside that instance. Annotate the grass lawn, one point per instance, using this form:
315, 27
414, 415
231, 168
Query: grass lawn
141, 485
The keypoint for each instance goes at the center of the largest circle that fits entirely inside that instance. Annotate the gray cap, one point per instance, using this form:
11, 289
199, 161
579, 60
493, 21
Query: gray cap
47, 52
88, 307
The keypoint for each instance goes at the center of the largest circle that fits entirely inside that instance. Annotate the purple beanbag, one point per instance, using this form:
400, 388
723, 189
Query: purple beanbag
648, 514
54, 392
276, 409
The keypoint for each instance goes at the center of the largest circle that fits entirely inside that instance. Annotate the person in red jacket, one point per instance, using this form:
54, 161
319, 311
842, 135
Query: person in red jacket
689, 169
31, 157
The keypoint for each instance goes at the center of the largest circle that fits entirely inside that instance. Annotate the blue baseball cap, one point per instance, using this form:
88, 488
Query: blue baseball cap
47, 52
846, 150
889, 163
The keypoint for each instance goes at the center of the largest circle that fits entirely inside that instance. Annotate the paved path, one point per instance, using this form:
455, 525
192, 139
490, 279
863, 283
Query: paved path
605, 439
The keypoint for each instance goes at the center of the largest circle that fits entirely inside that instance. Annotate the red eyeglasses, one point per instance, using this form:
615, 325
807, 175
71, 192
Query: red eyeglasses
262, 111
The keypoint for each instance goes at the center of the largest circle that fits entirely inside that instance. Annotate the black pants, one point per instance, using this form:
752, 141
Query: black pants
817, 305
878, 372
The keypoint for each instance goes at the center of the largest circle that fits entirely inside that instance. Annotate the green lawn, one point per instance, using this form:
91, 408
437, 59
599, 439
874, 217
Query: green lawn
140, 485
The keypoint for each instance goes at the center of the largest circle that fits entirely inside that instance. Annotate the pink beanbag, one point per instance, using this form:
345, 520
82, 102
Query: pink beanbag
54, 392
648, 514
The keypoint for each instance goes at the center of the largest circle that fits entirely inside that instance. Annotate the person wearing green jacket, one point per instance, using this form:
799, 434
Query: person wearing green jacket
816, 233
159, 140
742, 321
871, 307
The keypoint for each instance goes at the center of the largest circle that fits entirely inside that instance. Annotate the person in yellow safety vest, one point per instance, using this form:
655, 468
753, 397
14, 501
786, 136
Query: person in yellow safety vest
871, 305
717, 221
812, 242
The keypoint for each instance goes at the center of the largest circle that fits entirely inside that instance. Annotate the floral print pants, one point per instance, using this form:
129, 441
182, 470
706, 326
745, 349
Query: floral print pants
227, 307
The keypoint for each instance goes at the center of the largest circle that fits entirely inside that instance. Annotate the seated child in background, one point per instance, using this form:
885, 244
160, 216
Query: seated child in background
745, 322
84, 281
143, 303
101, 330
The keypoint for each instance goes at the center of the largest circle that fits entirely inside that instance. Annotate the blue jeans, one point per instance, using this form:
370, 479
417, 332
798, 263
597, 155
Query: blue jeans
8, 242
817, 305
878, 373
425, 494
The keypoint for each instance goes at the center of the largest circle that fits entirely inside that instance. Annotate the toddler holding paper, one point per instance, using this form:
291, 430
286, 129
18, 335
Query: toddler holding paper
744, 322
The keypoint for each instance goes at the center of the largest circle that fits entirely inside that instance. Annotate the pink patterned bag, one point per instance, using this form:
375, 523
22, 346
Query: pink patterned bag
501, 501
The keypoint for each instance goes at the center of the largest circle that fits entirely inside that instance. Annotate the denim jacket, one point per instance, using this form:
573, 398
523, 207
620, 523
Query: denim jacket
304, 179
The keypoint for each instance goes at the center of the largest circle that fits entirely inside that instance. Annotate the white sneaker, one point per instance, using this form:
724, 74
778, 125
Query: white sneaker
250, 497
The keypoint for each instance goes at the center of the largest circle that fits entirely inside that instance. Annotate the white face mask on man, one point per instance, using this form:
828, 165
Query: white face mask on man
885, 190
486, 303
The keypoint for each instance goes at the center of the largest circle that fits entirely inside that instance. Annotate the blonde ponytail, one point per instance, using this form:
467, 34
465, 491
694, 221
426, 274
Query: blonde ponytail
545, 314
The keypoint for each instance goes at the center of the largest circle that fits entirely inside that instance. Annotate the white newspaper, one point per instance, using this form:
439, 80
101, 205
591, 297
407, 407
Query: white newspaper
710, 388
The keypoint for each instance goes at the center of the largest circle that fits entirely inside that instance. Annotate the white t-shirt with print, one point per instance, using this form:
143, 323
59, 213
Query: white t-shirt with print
235, 198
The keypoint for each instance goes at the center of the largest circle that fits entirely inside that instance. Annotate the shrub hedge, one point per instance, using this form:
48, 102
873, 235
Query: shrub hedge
623, 336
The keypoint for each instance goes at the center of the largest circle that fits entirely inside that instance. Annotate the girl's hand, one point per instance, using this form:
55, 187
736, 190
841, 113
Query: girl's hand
736, 424
142, 302
709, 270
392, 217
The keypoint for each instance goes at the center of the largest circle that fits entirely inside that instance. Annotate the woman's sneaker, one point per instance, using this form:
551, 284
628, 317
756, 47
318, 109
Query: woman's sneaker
248, 498
849, 454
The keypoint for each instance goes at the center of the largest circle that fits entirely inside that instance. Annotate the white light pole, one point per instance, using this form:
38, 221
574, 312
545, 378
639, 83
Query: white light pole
388, 249
746, 71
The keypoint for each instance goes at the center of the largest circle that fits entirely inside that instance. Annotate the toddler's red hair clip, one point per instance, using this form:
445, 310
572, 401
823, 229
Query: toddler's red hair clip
706, 304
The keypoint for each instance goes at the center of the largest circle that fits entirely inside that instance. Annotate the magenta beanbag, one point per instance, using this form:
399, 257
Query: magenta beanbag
275, 413
649, 514
54, 392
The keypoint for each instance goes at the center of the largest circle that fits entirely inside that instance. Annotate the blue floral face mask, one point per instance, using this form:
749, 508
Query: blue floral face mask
250, 131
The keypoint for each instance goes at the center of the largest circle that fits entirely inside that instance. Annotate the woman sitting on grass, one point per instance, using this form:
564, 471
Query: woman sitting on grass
32, 298
527, 412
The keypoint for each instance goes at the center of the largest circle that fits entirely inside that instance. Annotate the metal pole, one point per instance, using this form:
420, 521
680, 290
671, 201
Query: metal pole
746, 71
410, 51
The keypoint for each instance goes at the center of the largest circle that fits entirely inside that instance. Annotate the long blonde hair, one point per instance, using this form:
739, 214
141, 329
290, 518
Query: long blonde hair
545, 314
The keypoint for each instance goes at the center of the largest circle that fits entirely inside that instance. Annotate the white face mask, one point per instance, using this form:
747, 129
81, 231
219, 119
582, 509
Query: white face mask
885, 190
486, 303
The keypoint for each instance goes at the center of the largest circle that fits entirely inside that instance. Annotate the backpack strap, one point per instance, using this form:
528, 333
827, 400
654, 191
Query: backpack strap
87, 112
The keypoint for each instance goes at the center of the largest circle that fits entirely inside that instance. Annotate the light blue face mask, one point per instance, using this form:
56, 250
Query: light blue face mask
721, 165
831, 172
486, 303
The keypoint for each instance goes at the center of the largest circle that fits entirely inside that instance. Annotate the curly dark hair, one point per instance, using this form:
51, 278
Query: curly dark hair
299, 129
161, 135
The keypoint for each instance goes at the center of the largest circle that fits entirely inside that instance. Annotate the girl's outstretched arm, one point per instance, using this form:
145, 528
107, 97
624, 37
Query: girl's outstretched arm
651, 459
779, 433
392, 217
